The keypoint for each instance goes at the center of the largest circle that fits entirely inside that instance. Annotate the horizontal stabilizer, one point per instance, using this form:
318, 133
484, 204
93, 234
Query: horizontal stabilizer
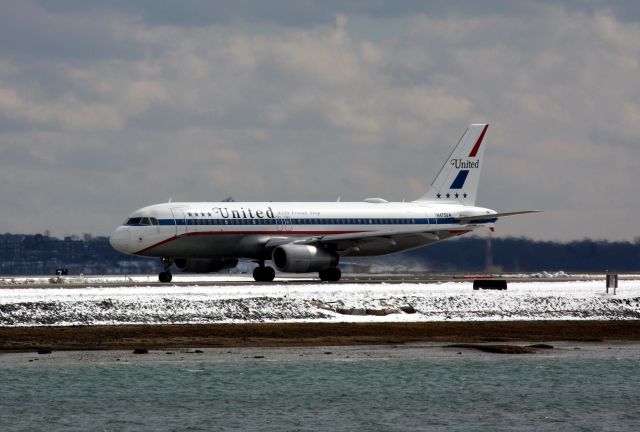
470, 219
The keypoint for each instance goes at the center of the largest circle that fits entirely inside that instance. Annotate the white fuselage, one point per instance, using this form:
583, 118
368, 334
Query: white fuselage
245, 230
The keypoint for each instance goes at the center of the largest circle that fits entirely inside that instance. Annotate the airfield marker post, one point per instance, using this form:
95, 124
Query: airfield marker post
612, 282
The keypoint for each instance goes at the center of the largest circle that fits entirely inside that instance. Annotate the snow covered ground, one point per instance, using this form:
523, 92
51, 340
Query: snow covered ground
213, 302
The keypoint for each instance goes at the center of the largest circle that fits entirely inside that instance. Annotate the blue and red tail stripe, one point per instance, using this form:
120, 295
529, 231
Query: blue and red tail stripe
458, 183
474, 150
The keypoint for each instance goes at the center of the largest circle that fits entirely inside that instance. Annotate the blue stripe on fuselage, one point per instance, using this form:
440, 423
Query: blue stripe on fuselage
321, 221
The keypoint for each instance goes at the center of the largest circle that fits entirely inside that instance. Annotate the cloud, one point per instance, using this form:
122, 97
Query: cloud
105, 108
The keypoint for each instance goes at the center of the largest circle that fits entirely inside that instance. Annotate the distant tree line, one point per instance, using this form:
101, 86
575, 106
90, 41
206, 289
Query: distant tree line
525, 255
38, 254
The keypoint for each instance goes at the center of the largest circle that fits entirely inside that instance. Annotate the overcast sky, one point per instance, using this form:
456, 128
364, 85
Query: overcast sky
106, 107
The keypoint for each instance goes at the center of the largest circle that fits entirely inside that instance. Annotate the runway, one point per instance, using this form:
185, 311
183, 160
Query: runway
239, 279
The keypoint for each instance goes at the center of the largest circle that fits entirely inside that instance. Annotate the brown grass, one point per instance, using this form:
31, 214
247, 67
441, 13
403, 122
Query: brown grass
309, 334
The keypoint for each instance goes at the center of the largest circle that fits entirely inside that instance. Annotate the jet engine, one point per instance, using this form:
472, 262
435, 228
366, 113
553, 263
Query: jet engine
302, 258
204, 265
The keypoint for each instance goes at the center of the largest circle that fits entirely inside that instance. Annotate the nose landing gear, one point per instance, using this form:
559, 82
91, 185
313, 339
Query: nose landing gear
166, 276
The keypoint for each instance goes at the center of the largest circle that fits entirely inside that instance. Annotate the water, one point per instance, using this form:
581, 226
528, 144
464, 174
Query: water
483, 393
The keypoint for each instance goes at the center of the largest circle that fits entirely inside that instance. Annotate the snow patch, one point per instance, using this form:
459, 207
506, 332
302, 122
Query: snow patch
316, 302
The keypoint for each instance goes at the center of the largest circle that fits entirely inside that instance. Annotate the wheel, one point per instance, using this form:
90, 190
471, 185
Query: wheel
257, 274
165, 277
264, 274
332, 274
270, 274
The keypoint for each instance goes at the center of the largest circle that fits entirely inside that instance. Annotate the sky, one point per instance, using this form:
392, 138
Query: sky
106, 107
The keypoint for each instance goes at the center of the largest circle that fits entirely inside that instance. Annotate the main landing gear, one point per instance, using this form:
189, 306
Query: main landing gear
331, 274
166, 276
263, 274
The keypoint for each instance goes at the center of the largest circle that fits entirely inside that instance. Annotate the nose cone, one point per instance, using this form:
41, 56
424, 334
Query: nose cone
119, 239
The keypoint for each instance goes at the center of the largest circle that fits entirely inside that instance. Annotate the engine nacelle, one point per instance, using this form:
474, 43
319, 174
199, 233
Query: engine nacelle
302, 258
204, 265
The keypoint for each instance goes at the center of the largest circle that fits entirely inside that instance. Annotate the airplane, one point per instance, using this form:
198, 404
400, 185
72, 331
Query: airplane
305, 237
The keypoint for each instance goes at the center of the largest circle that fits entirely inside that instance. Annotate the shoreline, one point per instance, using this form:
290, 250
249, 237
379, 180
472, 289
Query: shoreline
125, 337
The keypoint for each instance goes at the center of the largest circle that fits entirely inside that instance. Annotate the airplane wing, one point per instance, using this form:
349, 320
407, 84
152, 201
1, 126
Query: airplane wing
350, 242
343, 243
418, 236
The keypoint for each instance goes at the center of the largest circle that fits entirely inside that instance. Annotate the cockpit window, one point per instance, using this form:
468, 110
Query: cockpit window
142, 221
133, 221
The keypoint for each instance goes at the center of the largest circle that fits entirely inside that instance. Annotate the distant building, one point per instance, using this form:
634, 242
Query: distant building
38, 254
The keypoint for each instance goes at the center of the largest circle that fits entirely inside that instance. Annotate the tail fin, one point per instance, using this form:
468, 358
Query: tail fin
458, 178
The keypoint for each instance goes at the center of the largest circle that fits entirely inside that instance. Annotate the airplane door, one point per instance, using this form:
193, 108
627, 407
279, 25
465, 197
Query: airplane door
284, 223
287, 223
180, 220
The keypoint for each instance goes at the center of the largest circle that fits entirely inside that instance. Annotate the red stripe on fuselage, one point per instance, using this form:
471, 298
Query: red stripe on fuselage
476, 147
156, 245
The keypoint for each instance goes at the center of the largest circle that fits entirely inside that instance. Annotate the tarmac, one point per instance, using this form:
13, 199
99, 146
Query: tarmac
8, 282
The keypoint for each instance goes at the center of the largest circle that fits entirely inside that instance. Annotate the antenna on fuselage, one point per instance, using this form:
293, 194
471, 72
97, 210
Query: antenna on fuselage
339, 198
170, 198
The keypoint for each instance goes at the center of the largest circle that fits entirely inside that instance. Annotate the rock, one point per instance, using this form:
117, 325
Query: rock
541, 346
381, 312
407, 309
141, 351
496, 349
44, 351
351, 311
374, 312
